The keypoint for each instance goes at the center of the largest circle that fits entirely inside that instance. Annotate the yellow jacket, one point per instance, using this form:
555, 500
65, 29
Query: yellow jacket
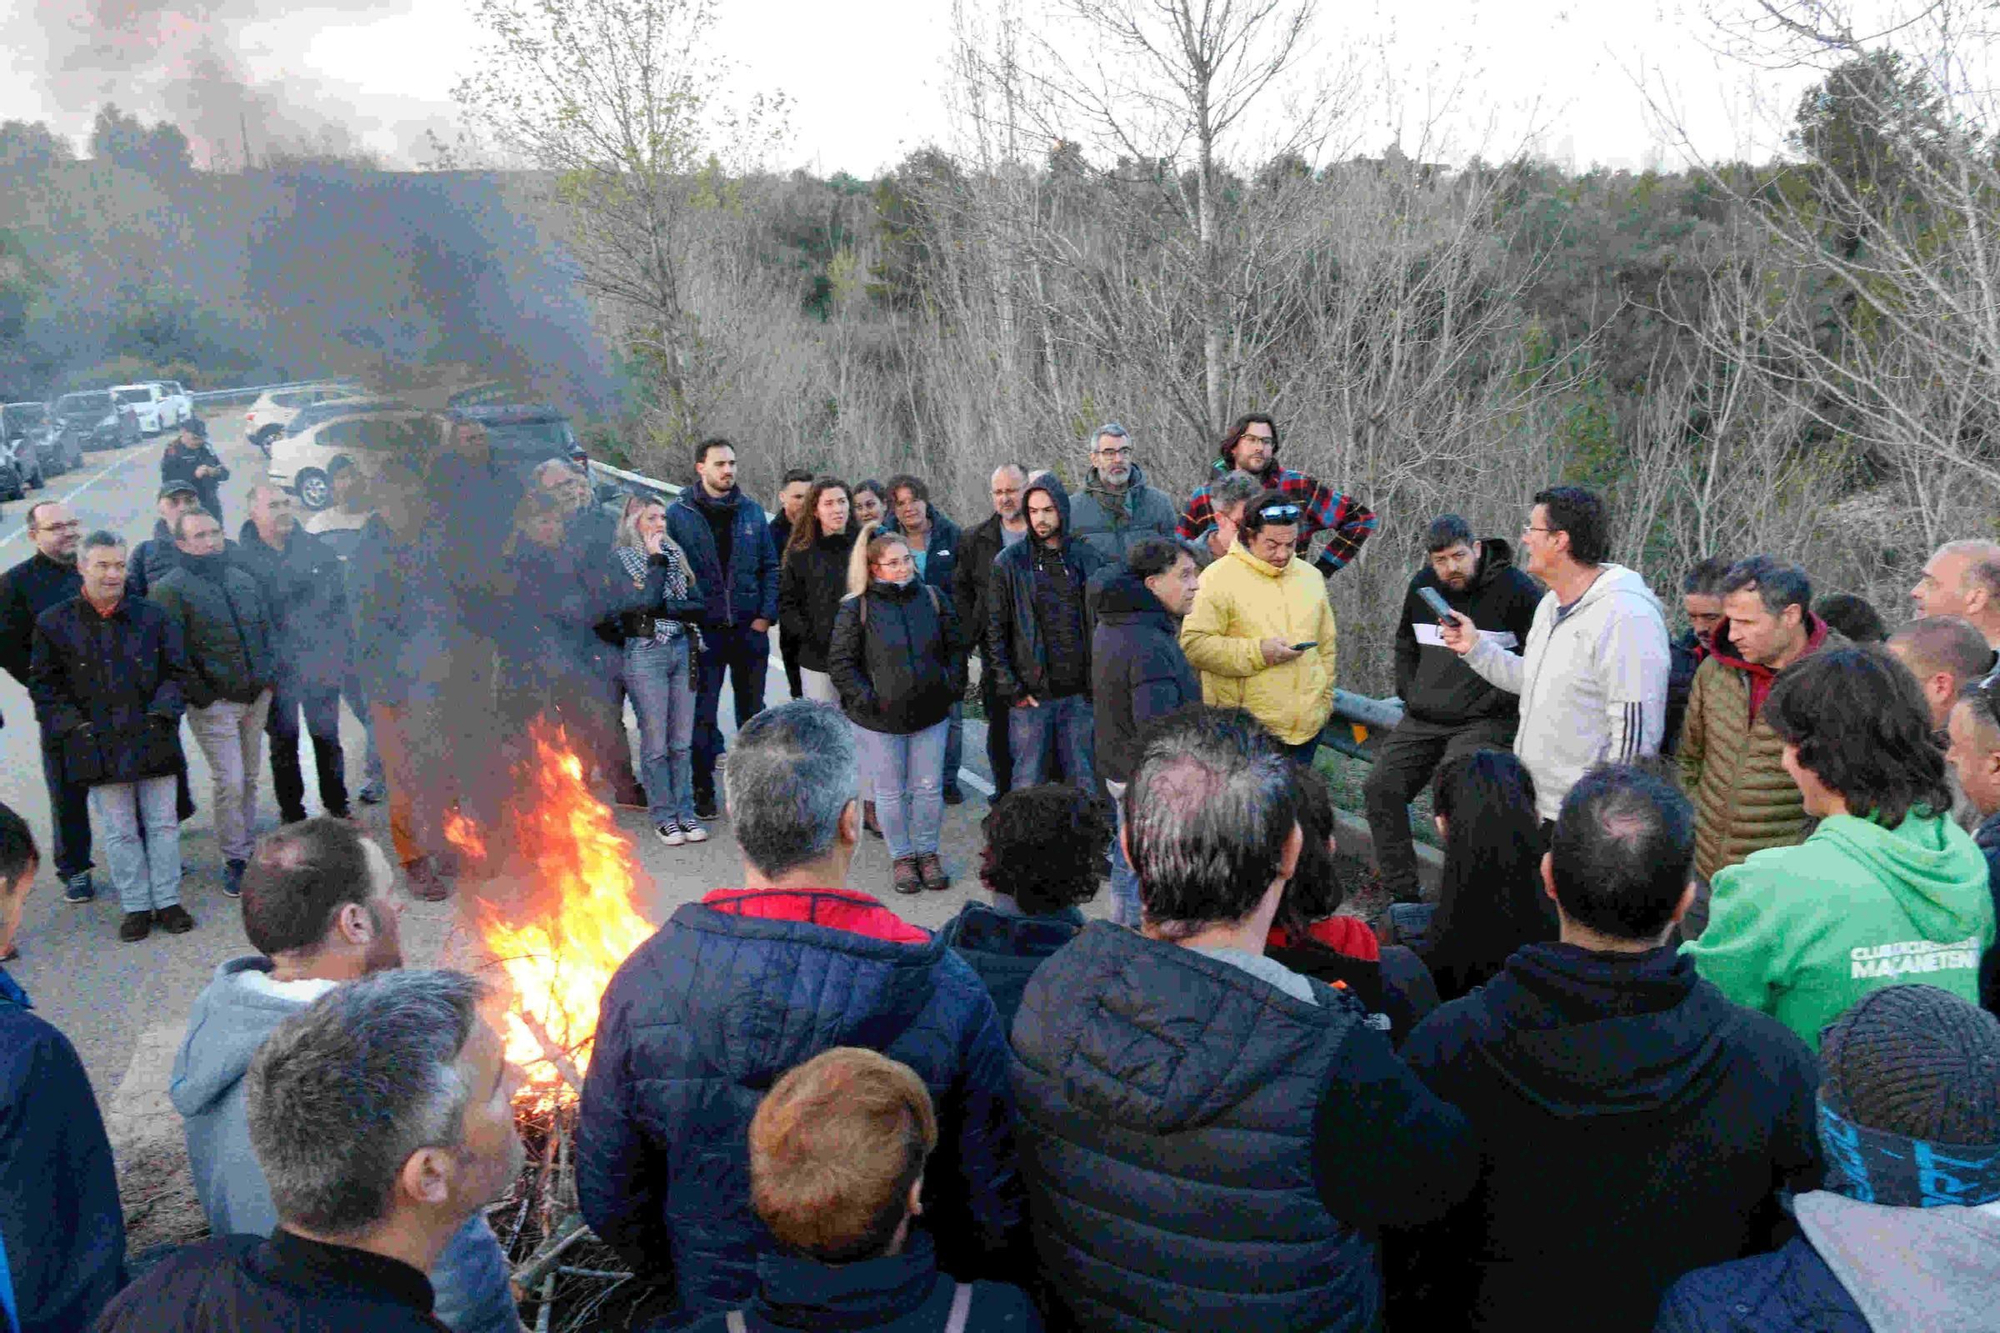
1242, 602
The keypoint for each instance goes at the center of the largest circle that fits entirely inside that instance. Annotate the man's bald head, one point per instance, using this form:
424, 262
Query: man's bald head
1962, 578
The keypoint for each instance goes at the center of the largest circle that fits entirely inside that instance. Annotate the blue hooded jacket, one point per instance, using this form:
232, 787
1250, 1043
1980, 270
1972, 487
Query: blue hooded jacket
748, 589
703, 1018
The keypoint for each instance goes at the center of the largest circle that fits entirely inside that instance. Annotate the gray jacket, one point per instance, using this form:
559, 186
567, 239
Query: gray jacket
1111, 522
231, 1019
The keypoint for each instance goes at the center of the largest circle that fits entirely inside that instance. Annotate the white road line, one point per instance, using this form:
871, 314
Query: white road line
45, 497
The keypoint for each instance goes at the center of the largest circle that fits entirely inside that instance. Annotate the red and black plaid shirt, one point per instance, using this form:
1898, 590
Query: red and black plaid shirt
1344, 519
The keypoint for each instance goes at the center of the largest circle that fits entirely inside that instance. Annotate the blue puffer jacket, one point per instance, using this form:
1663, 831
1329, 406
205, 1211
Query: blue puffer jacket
704, 1017
1791, 1291
1005, 948
749, 591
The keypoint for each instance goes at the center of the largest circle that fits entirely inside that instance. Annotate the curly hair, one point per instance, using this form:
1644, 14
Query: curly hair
1315, 891
1861, 725
1045, 847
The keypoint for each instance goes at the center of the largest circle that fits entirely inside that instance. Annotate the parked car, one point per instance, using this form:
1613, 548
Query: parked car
356, 429
146, 403
97, 420
266, 419
36, 426
176, 403
525, 436
27, 461
12, 486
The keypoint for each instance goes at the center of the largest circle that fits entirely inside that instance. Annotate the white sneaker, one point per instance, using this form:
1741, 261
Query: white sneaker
692, 831
670, 833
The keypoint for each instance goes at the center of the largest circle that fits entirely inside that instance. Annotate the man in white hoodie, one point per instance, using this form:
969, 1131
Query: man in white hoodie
1593, 674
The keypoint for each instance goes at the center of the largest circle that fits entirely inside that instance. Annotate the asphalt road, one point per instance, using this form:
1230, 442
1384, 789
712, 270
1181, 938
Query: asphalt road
125, 1005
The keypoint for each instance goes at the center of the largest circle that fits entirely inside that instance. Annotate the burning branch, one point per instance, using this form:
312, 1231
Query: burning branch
554, 1053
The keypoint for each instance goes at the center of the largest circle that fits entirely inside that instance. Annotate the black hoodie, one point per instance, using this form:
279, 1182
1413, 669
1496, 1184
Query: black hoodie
1633, 1125
1434, 682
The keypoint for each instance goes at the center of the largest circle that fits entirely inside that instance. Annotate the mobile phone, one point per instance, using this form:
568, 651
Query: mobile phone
1437, 604
1301, 647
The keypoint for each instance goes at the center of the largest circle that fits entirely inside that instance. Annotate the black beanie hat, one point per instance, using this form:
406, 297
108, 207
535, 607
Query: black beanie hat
1918, 1062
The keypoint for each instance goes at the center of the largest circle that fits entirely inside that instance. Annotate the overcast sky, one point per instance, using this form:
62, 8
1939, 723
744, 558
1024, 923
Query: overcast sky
867, 81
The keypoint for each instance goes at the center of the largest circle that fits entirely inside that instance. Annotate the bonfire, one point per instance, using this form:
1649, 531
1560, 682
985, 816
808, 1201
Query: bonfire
556, 911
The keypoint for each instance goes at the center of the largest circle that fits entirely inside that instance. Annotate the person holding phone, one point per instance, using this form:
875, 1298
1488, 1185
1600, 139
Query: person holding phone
1261, 630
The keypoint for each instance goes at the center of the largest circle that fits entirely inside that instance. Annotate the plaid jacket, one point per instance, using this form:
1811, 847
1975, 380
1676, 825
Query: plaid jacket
1346, 521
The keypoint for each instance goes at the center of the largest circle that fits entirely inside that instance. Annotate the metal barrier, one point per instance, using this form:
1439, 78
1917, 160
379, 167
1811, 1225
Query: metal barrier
221, 397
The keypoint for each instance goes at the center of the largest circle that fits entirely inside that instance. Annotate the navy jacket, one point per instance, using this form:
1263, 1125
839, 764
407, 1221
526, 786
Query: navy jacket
1017, 650
108, 690
748, 590
59, 1213
704, 1017
1006, 948
1633, 1125
940, 553
1791, 1291
305, 594
896, 659
902, 1293
280, 1284
27, 590
1204, 1151
1138, 671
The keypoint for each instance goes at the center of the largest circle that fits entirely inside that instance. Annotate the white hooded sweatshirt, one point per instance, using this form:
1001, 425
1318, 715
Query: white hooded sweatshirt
1592, 681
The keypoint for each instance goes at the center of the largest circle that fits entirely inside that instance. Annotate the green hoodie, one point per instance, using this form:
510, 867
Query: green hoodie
1800, 933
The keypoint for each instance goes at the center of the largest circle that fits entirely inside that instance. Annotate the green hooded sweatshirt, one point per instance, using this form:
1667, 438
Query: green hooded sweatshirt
1800, 933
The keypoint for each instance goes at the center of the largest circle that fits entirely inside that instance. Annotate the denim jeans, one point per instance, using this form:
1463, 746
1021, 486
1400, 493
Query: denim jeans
1032, 733
745, 655
656, 678
139, 832
231, 737
1125, 906
907, 773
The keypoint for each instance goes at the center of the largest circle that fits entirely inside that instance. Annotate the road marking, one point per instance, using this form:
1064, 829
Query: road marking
46, 498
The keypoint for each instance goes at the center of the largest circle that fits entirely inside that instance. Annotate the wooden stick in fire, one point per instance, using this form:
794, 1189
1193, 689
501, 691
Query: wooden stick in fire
556, 1055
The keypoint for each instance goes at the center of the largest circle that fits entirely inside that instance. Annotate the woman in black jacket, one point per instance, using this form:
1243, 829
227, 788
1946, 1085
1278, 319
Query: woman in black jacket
813, 579
898, 664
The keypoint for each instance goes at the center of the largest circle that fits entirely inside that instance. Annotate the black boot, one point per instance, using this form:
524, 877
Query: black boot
330, 761
288, 783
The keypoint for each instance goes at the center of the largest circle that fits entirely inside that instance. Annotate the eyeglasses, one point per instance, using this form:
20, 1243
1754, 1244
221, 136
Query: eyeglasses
1248, 435
1122, 451
1529, 527
59, 527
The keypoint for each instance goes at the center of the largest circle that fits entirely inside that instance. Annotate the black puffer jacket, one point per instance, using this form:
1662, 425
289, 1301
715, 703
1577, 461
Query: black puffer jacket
1017, 650
225, 625
901, 667
305, 591
1203, 1150
108, 690
150, 560
1138, 671
810, 587
1434, 682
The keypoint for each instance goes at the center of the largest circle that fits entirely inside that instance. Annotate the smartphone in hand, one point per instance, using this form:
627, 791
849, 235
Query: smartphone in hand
1308, 644
1437, 604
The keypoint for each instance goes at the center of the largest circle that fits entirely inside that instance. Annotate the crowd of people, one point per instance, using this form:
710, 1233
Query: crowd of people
1697, 1033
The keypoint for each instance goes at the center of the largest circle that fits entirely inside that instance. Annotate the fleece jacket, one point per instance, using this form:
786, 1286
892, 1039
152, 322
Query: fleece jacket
1592, 681
1802, 932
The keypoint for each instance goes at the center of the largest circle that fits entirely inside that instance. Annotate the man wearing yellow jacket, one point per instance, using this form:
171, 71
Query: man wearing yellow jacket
1261, 630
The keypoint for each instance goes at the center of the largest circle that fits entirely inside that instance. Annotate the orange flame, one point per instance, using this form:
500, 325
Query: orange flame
577, 919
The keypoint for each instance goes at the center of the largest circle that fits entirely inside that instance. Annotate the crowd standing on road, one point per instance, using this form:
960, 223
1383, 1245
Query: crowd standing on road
1699, 1028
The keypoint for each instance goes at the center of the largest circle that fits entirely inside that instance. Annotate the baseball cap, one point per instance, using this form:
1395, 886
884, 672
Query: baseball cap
196, 426
178, 488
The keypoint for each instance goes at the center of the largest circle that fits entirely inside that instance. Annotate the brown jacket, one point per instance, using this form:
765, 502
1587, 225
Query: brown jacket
1733, 768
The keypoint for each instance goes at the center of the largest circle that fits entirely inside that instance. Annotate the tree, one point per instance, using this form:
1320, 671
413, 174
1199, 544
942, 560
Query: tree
622, 110
31, 145
159, 150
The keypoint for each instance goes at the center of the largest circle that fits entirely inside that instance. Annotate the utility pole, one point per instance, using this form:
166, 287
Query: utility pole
243, 129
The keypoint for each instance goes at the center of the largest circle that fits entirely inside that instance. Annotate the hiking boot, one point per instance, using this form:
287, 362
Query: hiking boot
373, 793
78, 888
232, 879
932, 871
174, 920
908, 879
952, 795
670, 833
692, 830
135, 927
426, 885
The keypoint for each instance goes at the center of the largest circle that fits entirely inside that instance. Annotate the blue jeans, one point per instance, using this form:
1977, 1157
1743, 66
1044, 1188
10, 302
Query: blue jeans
1032, 733
745, 655
1125, 905
656, 677
907, 773
139, 833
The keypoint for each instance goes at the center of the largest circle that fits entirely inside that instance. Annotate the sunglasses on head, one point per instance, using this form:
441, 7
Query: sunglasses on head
1279, 514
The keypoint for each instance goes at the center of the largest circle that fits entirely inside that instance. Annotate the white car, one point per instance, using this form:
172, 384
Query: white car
267, 418
147, 403
176, 403
365, 431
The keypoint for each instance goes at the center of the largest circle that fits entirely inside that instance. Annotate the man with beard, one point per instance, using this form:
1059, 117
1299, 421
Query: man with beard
1117, 508
1252, 446
1448, 709
318, 907
45, 579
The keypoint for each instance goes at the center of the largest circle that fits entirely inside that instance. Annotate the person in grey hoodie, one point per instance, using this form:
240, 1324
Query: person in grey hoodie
1593, 674
317, 905
1116, 508
1906, 1233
